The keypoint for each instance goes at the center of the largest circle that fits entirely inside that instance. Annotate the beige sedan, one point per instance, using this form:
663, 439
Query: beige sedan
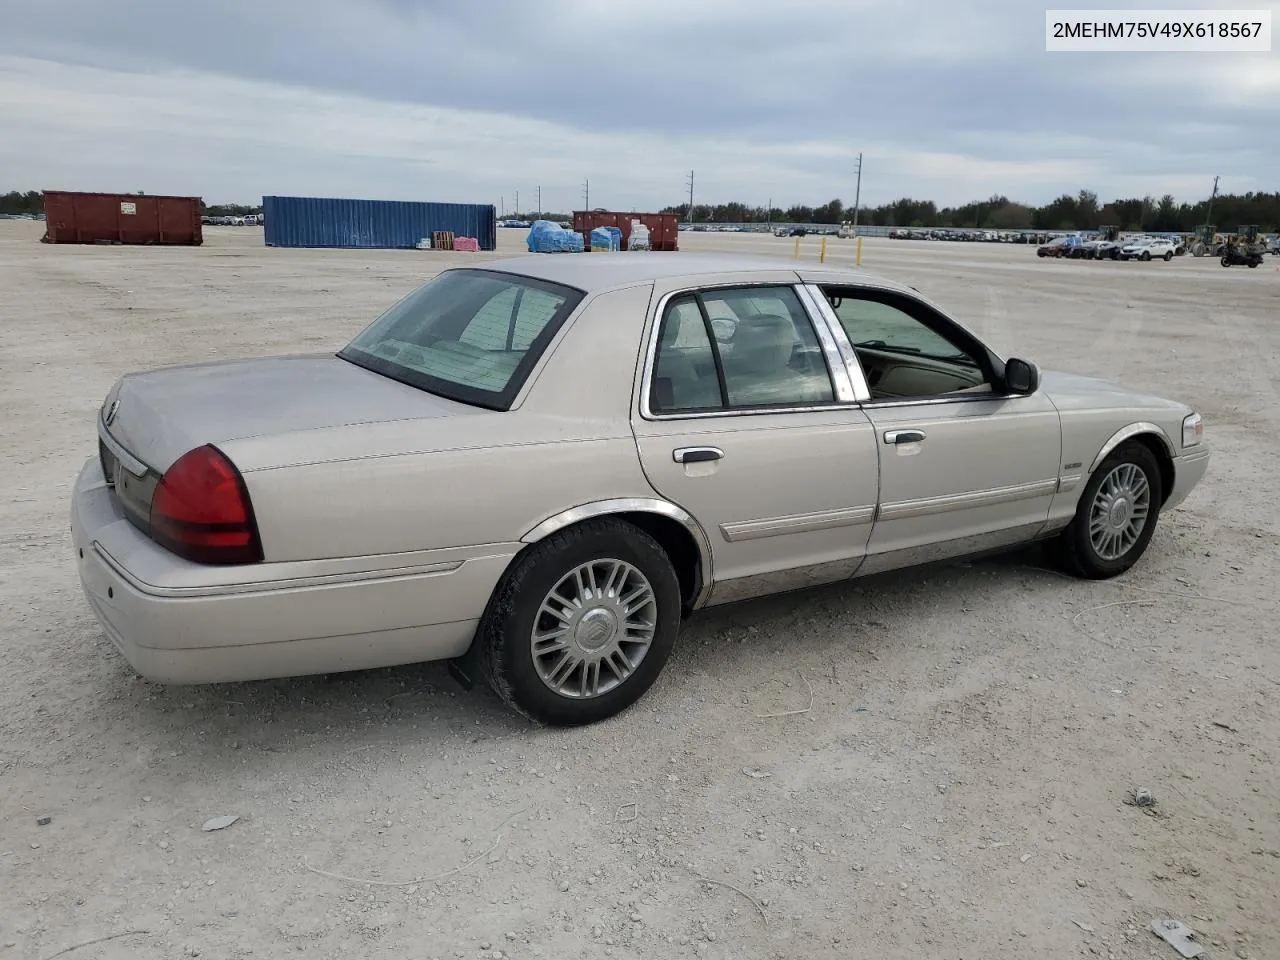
536, 468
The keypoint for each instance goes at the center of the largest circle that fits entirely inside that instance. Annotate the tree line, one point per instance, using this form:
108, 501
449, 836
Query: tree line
15, 202
1080, 212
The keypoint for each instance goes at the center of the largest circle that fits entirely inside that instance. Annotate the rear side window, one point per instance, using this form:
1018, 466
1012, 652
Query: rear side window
470, 335
738, 348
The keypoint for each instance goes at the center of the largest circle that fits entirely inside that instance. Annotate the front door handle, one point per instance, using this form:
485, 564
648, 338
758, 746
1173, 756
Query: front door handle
696, 454
903, 436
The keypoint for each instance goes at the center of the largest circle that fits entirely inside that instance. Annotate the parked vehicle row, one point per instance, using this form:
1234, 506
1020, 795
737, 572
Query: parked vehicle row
810, 231
738, 228
969, 235
1108, 247
251, 220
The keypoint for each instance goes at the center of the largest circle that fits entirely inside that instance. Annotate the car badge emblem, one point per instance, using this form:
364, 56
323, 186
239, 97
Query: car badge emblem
111, 413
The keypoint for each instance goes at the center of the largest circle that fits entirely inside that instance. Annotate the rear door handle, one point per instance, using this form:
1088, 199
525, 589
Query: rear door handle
903, 436
696, 454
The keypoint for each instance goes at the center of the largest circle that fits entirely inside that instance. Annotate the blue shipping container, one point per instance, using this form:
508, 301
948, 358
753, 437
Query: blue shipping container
372, 224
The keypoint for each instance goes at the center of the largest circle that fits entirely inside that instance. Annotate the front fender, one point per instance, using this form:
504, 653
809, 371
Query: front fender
1128, 433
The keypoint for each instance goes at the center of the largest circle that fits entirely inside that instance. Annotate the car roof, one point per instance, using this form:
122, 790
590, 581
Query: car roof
597, 272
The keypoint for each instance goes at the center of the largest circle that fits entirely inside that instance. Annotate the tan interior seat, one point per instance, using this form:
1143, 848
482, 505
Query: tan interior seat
758, 368
678, 382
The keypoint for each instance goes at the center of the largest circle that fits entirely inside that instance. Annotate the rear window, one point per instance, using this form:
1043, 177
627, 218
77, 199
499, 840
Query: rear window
470, 335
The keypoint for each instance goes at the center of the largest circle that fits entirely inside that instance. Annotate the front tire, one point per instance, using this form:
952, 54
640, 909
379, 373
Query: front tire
582, 623
1146, 255
1116, 517
1168, 257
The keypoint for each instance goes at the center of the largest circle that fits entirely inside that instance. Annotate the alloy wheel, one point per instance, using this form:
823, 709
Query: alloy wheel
1119, 511
593, 628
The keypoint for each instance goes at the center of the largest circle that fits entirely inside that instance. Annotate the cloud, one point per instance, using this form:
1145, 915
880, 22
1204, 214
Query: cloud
473, 101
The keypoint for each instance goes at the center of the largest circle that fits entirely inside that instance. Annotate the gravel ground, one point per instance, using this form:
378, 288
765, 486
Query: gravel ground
950, 781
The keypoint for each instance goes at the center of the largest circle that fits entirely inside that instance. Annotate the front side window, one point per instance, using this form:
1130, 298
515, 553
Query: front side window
902, 356
739, 348
470, 335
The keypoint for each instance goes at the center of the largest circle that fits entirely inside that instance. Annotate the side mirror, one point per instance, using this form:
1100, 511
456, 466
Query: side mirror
1021, 376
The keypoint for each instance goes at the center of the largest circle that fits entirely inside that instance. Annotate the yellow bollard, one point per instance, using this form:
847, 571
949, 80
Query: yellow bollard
797, 253
822, 254
858, 259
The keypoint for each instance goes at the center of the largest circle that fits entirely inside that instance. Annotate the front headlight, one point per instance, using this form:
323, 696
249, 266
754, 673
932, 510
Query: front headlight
1192, 430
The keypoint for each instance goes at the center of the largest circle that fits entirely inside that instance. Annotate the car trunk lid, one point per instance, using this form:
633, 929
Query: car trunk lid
154, 418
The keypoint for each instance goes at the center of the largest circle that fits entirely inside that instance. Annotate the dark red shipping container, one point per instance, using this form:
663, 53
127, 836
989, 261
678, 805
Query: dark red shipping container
664, 228
121, 218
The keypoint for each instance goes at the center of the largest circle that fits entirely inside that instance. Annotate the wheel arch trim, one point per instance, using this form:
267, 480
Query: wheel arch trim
1128, 433
605, 508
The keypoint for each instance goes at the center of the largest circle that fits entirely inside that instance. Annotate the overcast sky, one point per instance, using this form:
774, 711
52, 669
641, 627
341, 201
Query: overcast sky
472, 101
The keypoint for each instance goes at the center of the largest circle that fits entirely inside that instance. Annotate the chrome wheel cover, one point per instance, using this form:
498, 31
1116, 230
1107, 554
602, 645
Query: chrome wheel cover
593, 628
1119, 511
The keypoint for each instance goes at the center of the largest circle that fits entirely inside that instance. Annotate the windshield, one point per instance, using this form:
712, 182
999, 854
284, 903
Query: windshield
470, 335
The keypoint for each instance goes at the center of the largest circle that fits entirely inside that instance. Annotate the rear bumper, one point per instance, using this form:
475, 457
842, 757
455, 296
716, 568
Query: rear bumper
174, 629
1188, 470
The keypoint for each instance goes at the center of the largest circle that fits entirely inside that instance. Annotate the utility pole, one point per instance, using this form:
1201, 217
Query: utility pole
539, 210
768, 214
586, 194
517, 210
1208, 216
691, 196
502, 203
857, 197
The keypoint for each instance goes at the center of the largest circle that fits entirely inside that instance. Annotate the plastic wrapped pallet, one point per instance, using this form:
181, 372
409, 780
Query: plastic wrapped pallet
639, 236
466, 244
604, 238
546, 236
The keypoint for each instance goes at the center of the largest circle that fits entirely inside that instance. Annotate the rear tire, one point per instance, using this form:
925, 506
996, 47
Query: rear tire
596, 652
1146, 255
1116, 517
1168, 257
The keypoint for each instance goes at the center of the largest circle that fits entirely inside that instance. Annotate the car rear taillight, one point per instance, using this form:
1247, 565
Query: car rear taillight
201, 510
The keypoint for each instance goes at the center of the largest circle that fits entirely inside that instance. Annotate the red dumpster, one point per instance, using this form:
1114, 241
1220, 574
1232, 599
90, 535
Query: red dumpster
664, 228
121, 218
